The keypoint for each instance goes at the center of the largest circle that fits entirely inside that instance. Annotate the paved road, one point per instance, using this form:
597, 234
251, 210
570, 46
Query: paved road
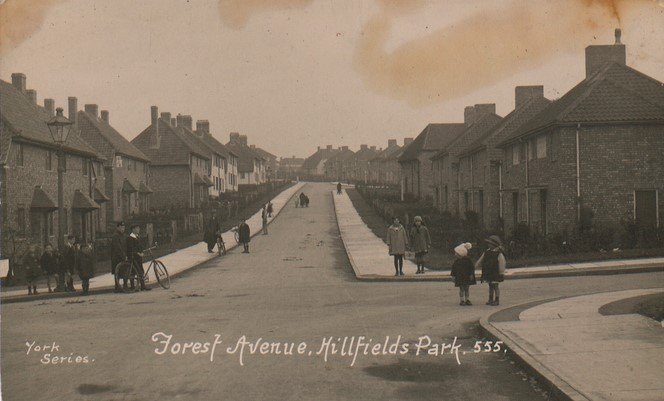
295, 286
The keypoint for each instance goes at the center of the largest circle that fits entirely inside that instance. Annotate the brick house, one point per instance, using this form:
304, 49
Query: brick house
596, 149
126, 167
478, 120
358, 164
289, 167
336, 167
251, 166
29, 174
224, 161
384, 168
180, 167
480, 162
271, 162
314, 165
415, 161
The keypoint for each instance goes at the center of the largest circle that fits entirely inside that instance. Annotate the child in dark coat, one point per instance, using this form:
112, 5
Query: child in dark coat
463, 272
86, 267
31, 264
493, 266
49, 264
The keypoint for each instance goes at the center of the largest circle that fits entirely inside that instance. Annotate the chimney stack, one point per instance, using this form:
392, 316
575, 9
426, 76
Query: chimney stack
318, 149
203, 126
166, 116
243, 140
18, 81
469, 115
187, 122
49, 105
363, 147
91, 109
407, 141
599, 56
344, 148
522, 94
329, 147
235, 138
483, 109
391, 142
32, 95
373, 148
104, 116
154, 116
73, 108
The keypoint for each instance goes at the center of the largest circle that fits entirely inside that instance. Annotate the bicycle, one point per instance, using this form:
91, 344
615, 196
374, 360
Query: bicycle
221, 246
236, 234
129, 271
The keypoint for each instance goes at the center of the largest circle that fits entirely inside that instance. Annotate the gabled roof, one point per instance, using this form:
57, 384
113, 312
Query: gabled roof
212, 143
365, 154
387, 153
434, 137
291, 161
478, 128
83, 202
23, 119
512, 122
41, 200
263, 153
614, 94
174, 148
312, 161
245, 156
340, 156
106, 132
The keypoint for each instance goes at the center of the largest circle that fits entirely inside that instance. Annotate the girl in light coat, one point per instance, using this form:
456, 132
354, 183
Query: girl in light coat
397, 242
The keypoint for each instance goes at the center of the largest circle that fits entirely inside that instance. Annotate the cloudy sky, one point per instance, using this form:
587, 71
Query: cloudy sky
296, 74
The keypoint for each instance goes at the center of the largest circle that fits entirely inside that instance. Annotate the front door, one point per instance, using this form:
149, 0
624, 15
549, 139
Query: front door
645, 208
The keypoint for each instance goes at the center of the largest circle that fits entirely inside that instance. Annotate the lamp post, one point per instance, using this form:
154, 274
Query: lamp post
60, 126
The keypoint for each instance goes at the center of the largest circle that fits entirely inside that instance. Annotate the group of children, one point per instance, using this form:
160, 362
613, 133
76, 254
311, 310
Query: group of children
61, 266
492, 263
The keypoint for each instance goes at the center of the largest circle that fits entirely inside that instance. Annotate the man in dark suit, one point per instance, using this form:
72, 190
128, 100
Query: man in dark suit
244, 234
212, 230
135, 255
118, 253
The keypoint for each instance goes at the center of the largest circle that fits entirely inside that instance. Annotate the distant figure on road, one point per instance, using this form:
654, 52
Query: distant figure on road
118, 253
49, 264
245, 235
86, 267
264, 219
420, 242
397, 242
463, 272
30, 263
303, 200
212, 229
338, 188
270, 209
493, 266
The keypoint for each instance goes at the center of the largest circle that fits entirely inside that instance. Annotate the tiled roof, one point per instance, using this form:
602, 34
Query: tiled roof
144, 189
106, 132
83, 202
614, 94
41, 200
340, 156
174, 148
365, 154
24, 119
245, 156
127, 186
263, 153
512, 122
434, 137
99, 196
312, 161
215, 145
477, 129
388, 153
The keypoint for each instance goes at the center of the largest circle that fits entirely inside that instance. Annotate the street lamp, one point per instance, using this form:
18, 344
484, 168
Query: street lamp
60, 126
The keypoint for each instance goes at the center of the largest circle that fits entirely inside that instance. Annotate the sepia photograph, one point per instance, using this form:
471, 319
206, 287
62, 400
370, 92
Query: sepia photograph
456, 200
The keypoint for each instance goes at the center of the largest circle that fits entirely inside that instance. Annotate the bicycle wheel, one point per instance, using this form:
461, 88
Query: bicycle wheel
122, 270
162, 274
221, 248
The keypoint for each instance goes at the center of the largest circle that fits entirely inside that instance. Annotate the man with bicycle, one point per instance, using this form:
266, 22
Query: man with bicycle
135, 255
119, 253
212, 230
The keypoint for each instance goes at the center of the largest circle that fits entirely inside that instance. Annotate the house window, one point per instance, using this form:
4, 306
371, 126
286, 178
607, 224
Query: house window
466, 200
49, 223
19, 154
85, 166
49, 160
516, 154
20, 220
541, 146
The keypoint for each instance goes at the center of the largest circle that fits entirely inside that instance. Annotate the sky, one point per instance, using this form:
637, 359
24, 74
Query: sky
297, 74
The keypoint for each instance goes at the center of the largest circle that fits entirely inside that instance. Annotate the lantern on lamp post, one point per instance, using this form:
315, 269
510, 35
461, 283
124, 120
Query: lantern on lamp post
60, 126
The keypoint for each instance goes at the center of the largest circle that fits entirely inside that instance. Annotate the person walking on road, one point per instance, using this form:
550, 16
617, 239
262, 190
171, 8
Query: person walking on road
30, 262
463, 272
86, 266
119, 254
135, 255
420, 242
338, 188
264, 219
212, 229
270, 209
49, 264
397, 242
244, 234
493, 265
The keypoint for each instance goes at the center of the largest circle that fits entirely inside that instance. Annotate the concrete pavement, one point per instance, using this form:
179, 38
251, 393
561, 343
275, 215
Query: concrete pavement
176, 262
586, 355
370, 260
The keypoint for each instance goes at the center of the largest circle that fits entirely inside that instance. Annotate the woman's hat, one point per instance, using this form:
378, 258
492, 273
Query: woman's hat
418, 218
462, 250
494, 240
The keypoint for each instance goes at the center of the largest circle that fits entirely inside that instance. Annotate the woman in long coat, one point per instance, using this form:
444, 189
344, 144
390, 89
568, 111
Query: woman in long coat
244, 234
420, 242
397, 241
212, 229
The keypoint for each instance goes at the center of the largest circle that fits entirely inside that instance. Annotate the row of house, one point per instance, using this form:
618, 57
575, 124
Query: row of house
106, 177
598, 150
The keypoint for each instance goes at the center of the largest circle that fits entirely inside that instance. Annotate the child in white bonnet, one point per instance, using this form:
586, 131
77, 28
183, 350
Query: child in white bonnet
463, 272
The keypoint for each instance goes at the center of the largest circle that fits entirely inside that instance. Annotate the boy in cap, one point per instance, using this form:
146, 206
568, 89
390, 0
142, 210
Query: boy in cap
420, 242
493, 266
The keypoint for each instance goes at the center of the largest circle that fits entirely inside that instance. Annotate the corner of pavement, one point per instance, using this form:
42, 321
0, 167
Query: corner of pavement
581, 354
368, 256
177, 262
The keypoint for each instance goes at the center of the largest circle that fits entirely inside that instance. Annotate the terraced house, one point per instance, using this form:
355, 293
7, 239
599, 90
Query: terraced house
251, 166
384, 168
224, 161
480, 162
29, 175
596, 151
180, 167
337, 166
126, 168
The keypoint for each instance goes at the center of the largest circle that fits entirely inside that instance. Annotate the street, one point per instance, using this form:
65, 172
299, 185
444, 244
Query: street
296, 286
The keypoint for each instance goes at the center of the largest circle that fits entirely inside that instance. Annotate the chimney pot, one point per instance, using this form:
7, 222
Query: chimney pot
73, 108
243, 140
187, 122
18, 81
166, 116
91, 109
49, 105
235, 138
32, 95
598, 56
523, 94
203, 126
329, 147
391, 142
154, 116
364, 146
618, 35
104, 116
